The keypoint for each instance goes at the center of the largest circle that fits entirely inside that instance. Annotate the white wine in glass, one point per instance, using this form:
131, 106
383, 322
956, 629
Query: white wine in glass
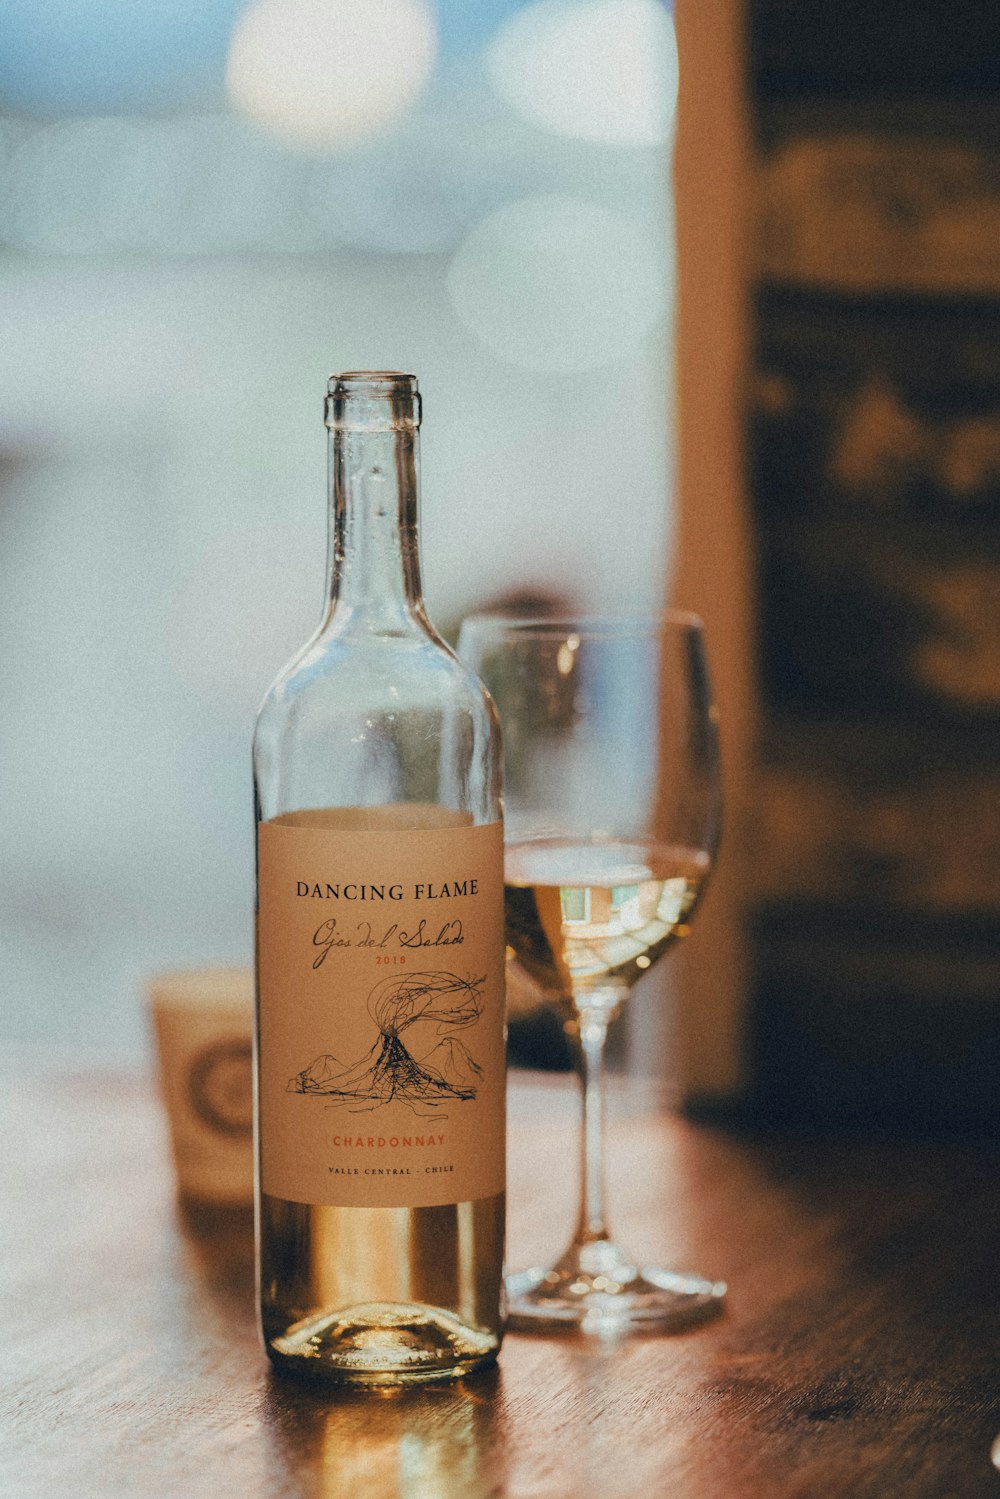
613, 815
587, 919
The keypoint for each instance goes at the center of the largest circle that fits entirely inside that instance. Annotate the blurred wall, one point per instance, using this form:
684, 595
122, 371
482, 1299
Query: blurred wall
196, 225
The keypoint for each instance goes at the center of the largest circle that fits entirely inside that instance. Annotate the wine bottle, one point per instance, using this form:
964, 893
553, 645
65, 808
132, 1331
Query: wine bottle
380, 1020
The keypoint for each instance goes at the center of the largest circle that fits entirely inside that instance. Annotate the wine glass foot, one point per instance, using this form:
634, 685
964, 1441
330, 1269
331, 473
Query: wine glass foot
598, 1288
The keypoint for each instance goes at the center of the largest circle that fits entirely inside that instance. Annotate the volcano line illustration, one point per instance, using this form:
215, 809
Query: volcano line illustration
430, 1068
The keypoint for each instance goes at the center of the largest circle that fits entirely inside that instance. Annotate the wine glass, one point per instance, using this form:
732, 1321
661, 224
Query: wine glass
612, 820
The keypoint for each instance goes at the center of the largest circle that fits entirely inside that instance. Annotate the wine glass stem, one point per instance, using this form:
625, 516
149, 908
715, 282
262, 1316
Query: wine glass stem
593, 1030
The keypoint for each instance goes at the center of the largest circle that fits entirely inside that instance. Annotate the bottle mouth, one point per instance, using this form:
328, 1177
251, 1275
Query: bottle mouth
372, 401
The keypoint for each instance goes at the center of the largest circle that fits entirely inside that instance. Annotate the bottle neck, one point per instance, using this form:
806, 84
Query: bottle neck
373, 554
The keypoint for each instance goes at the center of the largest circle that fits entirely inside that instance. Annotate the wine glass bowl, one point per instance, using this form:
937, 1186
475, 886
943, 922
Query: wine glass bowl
612, 825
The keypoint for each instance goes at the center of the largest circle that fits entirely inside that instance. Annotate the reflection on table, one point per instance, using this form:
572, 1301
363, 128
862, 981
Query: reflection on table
857, 1354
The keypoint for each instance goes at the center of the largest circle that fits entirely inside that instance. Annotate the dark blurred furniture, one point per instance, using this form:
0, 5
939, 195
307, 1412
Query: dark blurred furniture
858, 1355
875, 482
932, 46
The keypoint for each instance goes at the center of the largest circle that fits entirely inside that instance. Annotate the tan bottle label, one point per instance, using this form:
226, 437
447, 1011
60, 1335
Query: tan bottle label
381, 992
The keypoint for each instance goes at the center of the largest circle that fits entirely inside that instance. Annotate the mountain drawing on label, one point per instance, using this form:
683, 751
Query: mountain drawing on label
427, 1070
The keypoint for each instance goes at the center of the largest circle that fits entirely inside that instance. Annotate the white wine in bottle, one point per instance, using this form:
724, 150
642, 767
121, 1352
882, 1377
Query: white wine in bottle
380, 1019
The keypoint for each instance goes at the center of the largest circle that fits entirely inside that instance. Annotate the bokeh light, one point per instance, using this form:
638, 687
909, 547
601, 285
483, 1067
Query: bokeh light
553, 283
327, 73
599, 70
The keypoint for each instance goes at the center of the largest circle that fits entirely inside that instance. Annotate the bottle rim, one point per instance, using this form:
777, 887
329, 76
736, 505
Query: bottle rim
349, 380
372, 401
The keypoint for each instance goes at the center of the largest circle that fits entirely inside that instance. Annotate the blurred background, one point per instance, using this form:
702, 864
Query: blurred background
205, 207
838, 313
873, 478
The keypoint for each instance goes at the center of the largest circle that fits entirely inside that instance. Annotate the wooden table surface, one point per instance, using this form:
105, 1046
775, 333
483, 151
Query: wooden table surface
859, 1355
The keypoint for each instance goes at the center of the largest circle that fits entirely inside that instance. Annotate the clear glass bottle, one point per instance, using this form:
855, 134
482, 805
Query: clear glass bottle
380, 1028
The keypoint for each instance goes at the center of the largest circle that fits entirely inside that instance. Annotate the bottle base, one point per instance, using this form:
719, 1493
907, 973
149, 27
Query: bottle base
382, 1344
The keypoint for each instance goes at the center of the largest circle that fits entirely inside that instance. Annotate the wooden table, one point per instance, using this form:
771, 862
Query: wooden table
859, 1357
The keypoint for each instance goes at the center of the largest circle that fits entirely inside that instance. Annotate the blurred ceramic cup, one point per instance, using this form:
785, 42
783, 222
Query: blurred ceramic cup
203, 1020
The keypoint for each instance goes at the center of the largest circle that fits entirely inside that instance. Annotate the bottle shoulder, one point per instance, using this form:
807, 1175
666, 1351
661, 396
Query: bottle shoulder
362, 672
377, 719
